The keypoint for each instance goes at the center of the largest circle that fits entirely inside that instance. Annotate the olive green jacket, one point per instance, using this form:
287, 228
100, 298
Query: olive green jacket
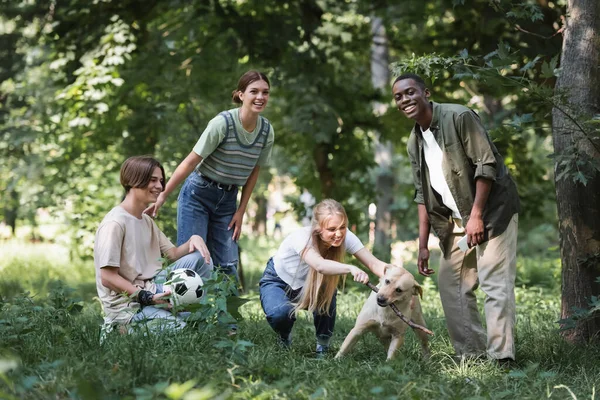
468, 154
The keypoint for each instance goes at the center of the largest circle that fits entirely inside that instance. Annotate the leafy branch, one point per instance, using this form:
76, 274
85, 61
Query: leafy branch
501, 67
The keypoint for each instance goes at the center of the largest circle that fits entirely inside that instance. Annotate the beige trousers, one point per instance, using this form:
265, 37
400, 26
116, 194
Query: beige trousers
491, 265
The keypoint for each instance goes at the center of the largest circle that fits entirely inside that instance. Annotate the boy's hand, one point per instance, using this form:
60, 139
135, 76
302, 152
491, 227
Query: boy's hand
159, 298
197, 243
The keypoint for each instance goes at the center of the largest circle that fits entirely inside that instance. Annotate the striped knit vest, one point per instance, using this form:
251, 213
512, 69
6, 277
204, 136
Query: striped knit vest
232, 161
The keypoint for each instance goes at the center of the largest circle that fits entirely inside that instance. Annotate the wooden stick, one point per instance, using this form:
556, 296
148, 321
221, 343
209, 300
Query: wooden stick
400, 315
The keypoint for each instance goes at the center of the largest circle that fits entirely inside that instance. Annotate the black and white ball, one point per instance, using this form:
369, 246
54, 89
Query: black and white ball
185, 286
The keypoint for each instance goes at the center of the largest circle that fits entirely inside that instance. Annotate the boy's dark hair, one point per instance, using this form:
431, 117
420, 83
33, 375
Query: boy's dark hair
136, 172
418, 80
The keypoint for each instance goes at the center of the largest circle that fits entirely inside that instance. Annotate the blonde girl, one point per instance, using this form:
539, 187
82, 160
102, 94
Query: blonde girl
305, 271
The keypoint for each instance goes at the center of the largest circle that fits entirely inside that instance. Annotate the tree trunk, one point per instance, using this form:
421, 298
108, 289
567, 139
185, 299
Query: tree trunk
11, 210
578, 211
259, 224
321, 157
380, 77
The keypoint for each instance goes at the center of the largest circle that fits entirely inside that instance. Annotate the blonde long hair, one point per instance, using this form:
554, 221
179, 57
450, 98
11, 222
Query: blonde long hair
318, 290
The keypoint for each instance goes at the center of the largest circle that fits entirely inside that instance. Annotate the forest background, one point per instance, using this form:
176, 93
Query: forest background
86, 84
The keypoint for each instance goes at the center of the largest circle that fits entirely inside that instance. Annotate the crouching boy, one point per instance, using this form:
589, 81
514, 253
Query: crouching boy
128, 250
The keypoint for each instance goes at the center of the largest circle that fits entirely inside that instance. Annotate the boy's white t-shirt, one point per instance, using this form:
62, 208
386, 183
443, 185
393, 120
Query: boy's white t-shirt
133, 245
288, 264
433, 159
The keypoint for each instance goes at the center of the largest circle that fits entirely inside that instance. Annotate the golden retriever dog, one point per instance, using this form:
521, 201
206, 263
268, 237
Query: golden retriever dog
397, 286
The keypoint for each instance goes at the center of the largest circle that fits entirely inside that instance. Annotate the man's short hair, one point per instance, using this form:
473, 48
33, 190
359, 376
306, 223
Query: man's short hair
136, 172
419, 81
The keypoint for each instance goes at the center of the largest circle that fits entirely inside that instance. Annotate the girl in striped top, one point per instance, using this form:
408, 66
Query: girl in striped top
228, 155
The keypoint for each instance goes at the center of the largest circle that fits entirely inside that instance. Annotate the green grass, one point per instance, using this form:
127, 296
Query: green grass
35, 268
59, 356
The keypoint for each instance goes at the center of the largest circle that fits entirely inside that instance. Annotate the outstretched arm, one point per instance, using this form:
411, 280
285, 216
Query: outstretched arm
194, 243
370, 261
182, 171
330, 267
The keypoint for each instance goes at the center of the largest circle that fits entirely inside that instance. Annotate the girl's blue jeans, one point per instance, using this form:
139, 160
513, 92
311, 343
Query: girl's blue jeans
276, 298
205, 209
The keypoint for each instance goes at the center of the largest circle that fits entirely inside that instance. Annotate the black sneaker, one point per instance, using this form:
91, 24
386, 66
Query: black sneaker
232, 330
506, 363
322, 351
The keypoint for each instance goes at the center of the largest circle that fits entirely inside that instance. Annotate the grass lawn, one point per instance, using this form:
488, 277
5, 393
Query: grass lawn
49, 346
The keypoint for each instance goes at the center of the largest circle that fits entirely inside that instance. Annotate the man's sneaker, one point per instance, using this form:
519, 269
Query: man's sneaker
322, 351
506, 363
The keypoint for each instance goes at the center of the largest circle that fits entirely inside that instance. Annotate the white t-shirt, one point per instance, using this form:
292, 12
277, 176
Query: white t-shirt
133, 245
433, 159
288, 265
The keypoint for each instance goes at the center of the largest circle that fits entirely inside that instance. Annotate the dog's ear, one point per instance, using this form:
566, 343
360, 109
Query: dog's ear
418, 290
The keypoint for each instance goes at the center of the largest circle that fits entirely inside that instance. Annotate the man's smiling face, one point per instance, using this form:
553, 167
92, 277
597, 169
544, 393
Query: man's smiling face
412, 99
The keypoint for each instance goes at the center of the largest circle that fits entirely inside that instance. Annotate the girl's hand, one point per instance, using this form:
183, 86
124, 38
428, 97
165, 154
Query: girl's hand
236, 224
359, 275
152, 210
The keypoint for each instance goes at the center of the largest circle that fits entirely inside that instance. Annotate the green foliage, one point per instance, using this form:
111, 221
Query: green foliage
526, 10
40, 268
88, 84
114, 82
219, 307
501, 68
539, 272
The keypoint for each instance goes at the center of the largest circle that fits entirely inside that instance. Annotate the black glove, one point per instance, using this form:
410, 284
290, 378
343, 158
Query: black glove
145, 297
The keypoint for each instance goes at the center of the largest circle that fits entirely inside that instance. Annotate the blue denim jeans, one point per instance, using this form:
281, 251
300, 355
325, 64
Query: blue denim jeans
276, 297
193, 261
206, 210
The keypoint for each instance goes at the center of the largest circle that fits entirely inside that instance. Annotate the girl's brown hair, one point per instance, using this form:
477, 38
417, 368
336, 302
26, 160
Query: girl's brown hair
245, 80
318, 290
136, 172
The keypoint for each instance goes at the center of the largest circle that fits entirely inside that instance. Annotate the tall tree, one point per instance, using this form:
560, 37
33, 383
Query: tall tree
578, 199
384, 150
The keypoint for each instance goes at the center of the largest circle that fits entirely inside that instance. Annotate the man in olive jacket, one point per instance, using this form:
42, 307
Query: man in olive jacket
463, 190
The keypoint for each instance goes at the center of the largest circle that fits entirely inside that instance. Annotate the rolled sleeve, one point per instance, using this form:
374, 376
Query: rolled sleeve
485, 171
477, 145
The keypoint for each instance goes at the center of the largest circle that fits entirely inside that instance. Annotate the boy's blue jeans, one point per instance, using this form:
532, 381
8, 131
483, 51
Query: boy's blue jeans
157, 318
276, 298
206, 209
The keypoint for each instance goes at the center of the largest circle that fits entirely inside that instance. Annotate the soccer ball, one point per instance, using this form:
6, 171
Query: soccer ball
185, 286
